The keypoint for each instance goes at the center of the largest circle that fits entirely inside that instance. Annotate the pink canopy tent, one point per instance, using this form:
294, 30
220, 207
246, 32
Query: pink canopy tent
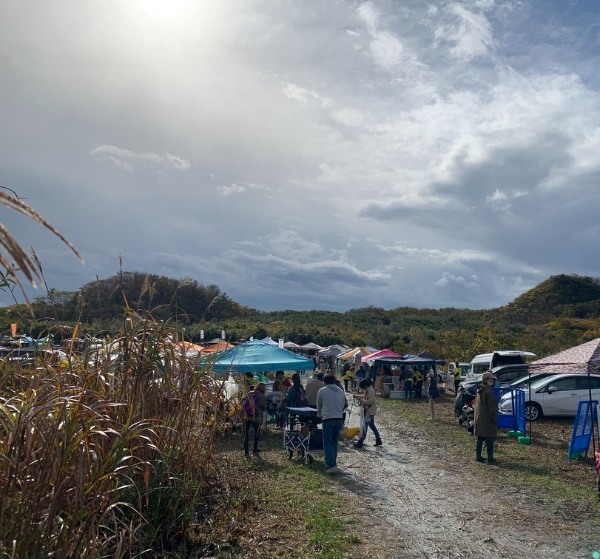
369, 359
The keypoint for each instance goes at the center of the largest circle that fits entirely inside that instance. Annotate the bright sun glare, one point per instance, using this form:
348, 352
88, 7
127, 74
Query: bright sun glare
167, 10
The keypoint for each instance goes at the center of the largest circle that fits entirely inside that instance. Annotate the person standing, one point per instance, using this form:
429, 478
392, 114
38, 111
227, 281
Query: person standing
295, 397
407, 375
331, 404
486, 418
433, 393
281, 385
253, 407
312, 389
348, 376
417, 379
361, 373
369, 403
457, 373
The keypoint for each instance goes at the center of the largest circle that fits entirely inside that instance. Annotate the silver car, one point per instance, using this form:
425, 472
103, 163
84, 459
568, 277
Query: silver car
556, 395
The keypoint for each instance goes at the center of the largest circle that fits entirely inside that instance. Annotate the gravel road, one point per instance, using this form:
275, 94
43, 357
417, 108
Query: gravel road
417, 505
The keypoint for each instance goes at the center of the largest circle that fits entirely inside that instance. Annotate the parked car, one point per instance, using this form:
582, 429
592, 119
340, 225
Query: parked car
487, 361
524, 382
505, 374
23, 357
555, 395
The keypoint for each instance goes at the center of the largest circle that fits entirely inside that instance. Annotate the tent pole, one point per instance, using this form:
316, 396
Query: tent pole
529, 388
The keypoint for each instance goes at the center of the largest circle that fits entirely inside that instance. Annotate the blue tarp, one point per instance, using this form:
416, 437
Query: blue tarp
256, 356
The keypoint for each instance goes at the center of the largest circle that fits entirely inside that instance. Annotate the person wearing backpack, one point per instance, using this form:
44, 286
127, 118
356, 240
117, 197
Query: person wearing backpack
252, 407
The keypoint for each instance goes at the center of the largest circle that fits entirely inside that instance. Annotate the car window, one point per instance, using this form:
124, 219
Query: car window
563, 384
508, 375
589, 382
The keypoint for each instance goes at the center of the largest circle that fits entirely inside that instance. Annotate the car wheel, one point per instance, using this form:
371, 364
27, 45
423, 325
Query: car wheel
533, 411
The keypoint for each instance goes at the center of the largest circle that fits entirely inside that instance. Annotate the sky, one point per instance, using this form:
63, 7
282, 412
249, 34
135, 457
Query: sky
306, 154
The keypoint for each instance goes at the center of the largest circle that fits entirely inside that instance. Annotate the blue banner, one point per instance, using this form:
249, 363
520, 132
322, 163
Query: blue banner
582, 429
515, 420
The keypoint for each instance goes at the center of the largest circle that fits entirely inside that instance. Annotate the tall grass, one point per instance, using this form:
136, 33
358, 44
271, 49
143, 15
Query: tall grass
105, 459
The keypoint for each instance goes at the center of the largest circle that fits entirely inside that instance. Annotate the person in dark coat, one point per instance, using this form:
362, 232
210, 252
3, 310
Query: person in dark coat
486, 418
433, 392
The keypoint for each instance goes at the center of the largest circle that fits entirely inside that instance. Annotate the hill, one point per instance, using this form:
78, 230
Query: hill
564, 296
561, 311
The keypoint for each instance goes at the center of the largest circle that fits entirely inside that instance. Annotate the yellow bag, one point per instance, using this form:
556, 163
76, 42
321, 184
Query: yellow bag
350, 432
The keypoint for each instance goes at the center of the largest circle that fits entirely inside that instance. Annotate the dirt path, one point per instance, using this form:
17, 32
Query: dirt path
416, 505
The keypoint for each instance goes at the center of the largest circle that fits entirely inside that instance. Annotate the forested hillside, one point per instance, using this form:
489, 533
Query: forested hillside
560, 312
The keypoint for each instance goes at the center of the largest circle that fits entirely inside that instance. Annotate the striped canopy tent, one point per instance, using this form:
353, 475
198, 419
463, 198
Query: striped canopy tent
361, 351
583, 359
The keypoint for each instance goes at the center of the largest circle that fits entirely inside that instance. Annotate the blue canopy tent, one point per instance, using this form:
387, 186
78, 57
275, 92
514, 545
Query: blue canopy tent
256, 355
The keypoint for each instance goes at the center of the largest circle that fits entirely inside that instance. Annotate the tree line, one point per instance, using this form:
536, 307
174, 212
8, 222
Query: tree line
560, 312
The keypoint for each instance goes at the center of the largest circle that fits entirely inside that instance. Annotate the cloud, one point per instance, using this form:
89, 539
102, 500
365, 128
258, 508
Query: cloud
356, 151
238, 188
125, 158
386, 48
303, 95
469, 32
449, 279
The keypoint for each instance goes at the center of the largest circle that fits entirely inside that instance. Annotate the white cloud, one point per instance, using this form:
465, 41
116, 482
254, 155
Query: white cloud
470, 33
125, 158
239, 188
450, 279
303, 95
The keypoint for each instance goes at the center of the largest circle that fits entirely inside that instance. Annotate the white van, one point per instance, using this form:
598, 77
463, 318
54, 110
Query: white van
486, 361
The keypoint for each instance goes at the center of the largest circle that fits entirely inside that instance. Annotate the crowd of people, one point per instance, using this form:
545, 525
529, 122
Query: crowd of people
327, 394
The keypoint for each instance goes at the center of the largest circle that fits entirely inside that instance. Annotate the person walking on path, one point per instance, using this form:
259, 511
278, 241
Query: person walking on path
433, 392
486, 418
457, 372
331, 404
369, 403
